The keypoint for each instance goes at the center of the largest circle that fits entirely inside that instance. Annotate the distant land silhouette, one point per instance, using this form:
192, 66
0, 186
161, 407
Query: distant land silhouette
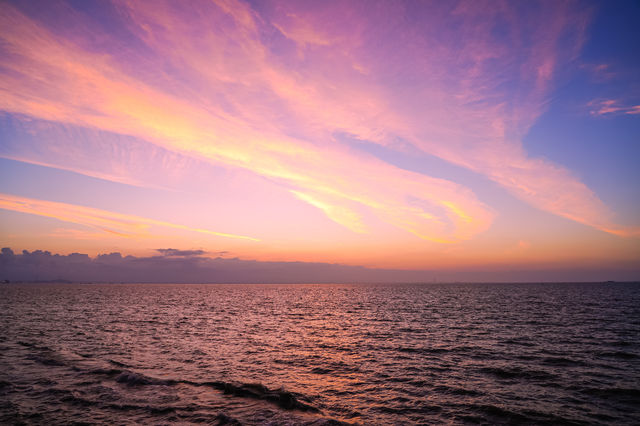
194, 266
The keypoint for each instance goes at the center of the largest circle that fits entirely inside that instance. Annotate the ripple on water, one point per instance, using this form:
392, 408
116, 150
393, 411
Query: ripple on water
320, 354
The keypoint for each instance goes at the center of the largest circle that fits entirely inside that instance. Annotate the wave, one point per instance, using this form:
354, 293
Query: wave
44, 355
421, 350
618, 354
563, 362
10, 413
336, 367
517, 373
122, 374
135, 379
71, 397
118, 363
495, 414
456, 391
224, 419
629, 396
519, 341
280, 397
421, 410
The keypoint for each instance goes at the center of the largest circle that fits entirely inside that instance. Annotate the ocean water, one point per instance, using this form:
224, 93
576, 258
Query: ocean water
320, 354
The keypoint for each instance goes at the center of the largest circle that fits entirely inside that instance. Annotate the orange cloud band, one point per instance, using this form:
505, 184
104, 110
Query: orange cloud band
123, 225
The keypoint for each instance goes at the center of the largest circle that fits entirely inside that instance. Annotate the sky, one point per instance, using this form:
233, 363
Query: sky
407, 136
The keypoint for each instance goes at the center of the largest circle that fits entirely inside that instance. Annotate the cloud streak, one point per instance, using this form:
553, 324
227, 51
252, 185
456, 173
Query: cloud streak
602, 107
121, 225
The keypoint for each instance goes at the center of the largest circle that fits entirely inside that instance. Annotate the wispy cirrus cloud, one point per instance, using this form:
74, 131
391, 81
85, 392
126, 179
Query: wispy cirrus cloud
96, 153
267, 88
91, 90
118, 224
600, 72
602, 107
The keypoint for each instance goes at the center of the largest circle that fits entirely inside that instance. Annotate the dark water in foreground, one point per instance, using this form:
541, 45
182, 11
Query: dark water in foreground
320, 354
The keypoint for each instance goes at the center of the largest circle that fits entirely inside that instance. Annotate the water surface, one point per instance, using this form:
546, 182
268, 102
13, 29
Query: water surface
320, 354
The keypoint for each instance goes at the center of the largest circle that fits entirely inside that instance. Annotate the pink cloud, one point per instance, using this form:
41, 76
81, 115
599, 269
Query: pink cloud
601, 107
91, 91
633, 110
267, 90
118, 224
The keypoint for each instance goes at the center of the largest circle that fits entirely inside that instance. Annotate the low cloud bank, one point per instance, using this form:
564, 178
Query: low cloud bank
181, 266
190, 266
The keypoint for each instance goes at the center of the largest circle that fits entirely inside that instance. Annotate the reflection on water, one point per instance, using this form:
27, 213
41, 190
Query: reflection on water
320, 354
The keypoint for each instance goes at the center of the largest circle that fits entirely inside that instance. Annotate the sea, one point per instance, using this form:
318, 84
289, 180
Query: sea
383, 354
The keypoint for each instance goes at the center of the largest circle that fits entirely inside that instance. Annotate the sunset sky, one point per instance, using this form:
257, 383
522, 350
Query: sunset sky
405, 135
